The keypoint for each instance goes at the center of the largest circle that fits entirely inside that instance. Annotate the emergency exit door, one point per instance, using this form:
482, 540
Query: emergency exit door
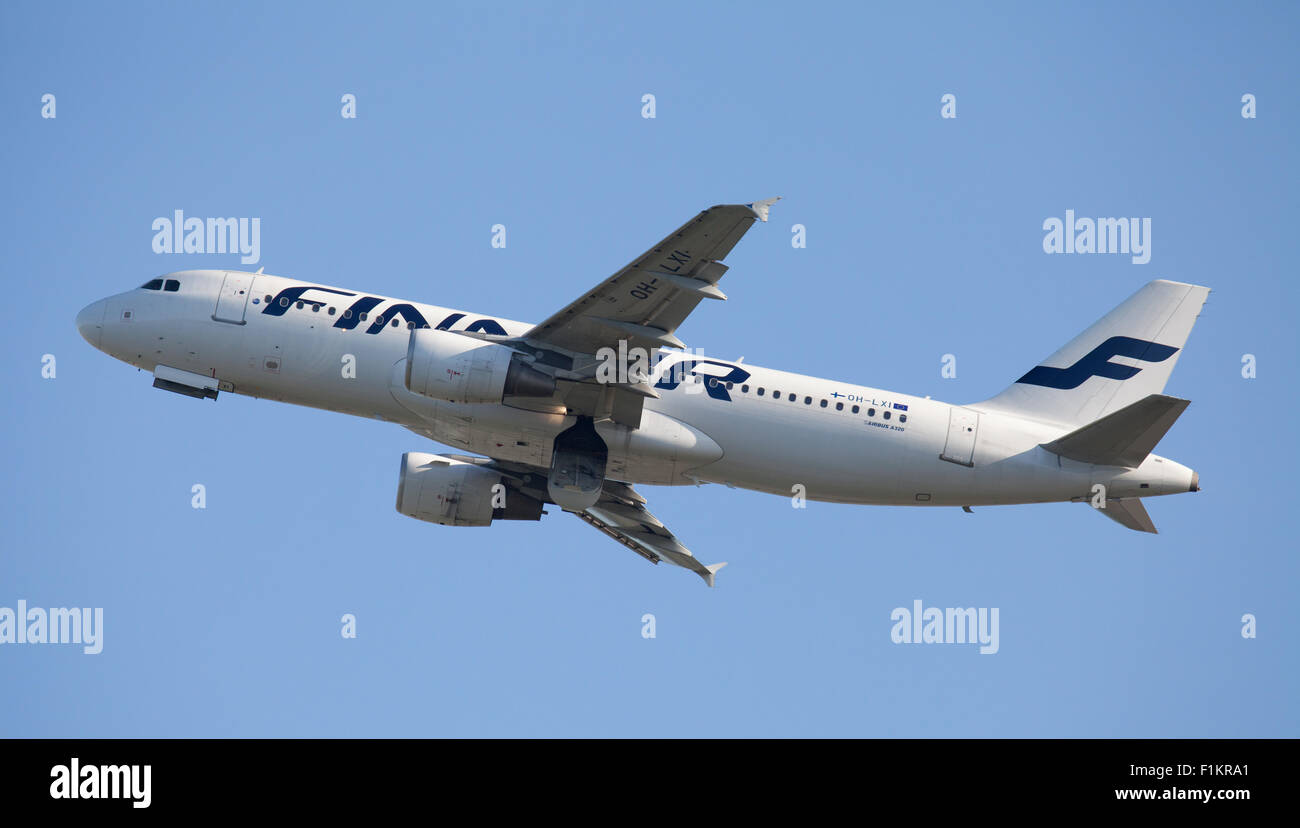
963, 427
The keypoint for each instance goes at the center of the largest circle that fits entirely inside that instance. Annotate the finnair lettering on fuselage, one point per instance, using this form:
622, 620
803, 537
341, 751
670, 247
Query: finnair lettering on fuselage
715, 387
351, 316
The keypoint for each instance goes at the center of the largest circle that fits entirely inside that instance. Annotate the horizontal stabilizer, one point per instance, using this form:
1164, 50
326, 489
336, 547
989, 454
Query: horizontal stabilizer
1129, 512
1123, 438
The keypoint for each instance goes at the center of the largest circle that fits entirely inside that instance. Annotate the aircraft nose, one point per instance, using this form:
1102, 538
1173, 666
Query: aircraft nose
90, 322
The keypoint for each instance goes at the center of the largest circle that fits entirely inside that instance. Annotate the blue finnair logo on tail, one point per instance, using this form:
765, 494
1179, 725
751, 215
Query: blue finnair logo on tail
1096, 363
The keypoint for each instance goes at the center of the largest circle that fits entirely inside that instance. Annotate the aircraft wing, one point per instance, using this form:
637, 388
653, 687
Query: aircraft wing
621, 514
645, 302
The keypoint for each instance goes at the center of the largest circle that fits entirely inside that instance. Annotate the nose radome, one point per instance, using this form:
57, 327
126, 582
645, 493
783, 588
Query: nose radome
90, 322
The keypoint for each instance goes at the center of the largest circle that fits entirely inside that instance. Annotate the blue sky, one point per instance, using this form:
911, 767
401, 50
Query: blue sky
923, 238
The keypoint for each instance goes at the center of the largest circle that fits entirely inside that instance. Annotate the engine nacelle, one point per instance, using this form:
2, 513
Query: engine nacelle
455, 368
451, 492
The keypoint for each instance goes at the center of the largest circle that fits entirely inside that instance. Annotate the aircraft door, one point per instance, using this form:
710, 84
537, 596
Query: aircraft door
963, 428
233, 299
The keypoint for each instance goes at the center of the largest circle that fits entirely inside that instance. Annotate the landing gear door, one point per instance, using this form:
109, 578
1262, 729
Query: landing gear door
233, 299
578, 462
963, 428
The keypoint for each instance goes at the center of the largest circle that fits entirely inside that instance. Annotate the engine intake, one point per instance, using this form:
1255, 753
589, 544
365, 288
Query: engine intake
455, 368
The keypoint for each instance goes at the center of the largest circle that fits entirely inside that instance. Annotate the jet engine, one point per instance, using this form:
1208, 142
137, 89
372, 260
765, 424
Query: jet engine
459, 369
452, 492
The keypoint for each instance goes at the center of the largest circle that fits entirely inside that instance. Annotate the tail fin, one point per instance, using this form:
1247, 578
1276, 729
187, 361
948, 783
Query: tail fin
1125, 356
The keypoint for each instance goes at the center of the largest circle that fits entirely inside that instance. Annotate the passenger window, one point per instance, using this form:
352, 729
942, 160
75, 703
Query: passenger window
871, 412
153, 284
744, 389
315, 308
886, 415
299, 305
394, 321
268, 298
807, 400
776, 395
792, 397
284, 301
363, 316
347, 314
823, 403
902, 418
760, 391
331, 310
855, 409
839, 406
172, 286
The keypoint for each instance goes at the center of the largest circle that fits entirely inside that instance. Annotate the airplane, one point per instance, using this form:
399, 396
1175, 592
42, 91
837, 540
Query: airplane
602, 396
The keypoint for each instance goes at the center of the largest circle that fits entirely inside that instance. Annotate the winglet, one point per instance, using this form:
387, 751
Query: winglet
710, 571
761, 208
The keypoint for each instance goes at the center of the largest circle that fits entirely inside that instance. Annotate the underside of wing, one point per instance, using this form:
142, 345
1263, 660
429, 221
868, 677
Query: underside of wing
621, 514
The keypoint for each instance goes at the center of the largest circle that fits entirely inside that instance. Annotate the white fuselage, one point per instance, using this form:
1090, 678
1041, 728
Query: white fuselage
841, 442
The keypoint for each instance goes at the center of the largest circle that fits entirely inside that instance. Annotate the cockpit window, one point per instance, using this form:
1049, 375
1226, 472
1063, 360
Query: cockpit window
172, 285
153, 284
